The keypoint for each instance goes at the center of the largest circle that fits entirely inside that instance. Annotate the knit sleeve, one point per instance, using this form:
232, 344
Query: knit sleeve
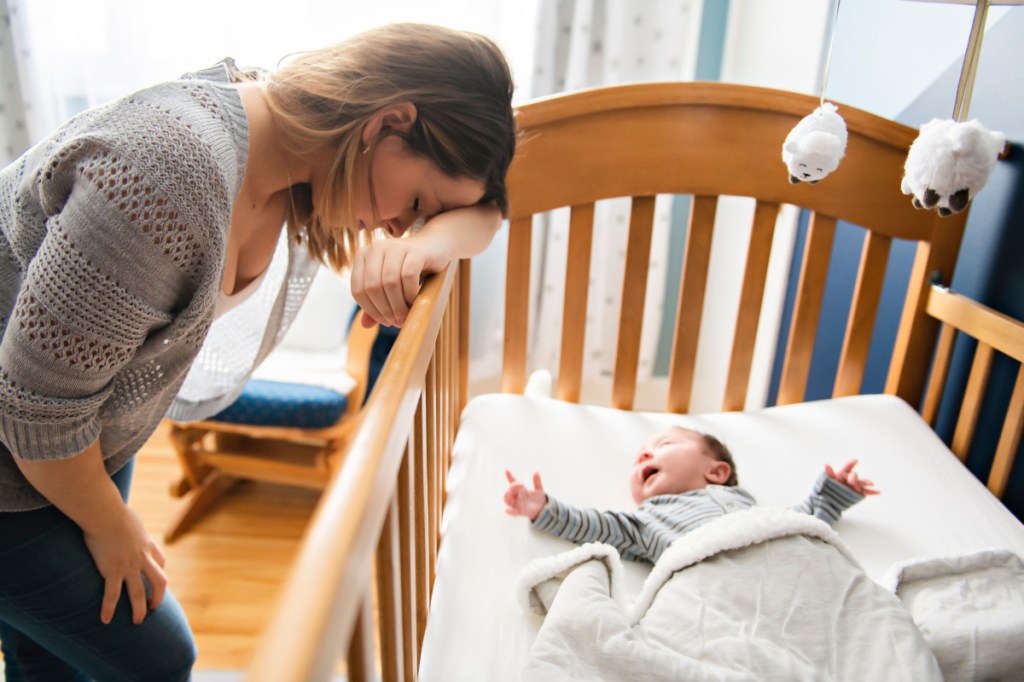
112, 267
622, 530
828, 500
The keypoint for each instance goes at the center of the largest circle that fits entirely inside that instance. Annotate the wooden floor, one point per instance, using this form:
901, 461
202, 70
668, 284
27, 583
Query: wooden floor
226, 572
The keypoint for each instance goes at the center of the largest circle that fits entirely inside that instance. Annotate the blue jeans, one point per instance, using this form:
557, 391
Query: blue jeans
50, 595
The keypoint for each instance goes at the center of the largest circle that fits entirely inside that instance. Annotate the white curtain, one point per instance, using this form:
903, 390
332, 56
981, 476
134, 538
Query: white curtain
582, 44
14, 135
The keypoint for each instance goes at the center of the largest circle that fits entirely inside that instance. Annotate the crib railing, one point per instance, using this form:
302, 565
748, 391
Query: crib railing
362, 581
994, 333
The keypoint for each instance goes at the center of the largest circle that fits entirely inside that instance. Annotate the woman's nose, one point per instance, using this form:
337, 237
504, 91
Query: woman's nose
395, 226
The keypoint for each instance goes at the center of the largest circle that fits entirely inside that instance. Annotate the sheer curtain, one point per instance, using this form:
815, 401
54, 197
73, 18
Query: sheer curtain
582, 44
14, 104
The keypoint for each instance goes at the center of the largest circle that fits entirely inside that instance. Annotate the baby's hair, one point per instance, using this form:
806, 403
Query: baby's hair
719, 452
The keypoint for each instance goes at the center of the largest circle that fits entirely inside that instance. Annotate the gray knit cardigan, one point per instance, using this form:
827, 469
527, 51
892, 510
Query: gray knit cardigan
112, 247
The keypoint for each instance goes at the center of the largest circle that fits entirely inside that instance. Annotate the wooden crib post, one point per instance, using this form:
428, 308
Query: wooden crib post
915, 339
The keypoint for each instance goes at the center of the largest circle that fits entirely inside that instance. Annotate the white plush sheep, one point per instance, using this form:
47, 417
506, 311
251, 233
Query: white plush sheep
814, 147
949, 162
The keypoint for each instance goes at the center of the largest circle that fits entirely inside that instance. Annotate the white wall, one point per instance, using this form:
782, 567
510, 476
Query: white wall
888, 51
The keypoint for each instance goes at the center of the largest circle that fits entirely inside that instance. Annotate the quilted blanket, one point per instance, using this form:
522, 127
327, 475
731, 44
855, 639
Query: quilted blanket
763, 594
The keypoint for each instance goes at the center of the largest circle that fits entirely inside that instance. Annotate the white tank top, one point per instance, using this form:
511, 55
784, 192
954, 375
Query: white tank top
226, 302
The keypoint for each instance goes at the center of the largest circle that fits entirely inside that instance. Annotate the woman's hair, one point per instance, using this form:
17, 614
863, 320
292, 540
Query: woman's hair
461, 87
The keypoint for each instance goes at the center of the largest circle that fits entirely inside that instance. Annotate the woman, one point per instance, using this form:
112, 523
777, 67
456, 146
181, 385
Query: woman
137, 225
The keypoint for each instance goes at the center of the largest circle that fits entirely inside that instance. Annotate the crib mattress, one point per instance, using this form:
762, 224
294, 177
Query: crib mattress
930, 504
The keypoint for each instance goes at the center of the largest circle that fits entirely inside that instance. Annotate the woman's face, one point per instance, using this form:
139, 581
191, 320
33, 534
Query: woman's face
408, 187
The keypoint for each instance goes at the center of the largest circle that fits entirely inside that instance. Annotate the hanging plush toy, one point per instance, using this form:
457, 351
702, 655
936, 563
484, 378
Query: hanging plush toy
949, 162
815, 146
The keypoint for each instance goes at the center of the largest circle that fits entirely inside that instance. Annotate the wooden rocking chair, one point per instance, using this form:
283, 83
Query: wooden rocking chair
249, 444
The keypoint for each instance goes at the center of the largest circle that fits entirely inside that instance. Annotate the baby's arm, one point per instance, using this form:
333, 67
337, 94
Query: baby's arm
619, 529
836, 491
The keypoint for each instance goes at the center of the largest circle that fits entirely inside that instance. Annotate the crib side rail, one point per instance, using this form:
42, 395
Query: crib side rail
363, 576
994, 332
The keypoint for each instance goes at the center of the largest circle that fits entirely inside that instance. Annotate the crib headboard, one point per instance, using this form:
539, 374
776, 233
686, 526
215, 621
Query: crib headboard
710, 140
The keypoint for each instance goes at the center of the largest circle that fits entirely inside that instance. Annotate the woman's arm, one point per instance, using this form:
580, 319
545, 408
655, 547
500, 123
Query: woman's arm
122, 549
386, 274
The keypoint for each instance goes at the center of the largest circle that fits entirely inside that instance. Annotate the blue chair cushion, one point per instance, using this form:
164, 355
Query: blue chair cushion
274, 403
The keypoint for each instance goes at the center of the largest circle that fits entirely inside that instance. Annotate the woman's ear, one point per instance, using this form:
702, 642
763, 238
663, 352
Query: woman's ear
718, 473
398, 117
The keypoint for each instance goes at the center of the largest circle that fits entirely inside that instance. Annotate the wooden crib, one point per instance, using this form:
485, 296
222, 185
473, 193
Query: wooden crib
363, 581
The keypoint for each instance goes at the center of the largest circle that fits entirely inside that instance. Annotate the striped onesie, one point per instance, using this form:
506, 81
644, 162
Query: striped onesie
643, 535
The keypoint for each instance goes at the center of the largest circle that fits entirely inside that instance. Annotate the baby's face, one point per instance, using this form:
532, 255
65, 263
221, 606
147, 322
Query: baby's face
671, 462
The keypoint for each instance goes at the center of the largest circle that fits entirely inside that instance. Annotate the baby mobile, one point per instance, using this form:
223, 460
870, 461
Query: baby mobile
948, 163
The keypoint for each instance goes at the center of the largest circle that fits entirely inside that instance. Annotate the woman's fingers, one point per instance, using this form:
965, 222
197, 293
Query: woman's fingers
157, 579
136, 597
392, 281
111, 593
367, 287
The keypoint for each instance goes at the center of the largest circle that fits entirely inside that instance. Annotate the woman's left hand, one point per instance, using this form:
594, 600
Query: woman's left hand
387, 273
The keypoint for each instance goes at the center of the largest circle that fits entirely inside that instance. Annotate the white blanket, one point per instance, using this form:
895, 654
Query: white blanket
970, 608
764, 594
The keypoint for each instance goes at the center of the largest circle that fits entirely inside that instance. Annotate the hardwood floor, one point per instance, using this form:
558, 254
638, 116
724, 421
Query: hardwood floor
228, 570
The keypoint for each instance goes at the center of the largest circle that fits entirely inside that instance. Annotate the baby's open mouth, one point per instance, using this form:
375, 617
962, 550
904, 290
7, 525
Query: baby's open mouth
647, 472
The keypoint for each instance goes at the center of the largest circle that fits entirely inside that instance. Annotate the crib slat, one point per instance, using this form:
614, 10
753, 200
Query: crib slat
692, 285
810, 290
1009, 439
407, 556
430, 389
749, 314
422, 526
517, 305
361, 660
389, 597
631, 311
970, 408
574, 307
940, 370
863, 311
465, 280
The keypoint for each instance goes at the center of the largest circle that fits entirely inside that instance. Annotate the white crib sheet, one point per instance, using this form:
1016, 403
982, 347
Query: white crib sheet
930, 504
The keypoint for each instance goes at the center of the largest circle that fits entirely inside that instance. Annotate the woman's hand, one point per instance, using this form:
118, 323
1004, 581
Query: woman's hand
114, 535
386, 275
521, 501
124, 552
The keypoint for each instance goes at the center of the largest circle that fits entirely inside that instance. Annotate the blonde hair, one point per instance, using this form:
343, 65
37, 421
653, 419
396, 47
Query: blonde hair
460, 85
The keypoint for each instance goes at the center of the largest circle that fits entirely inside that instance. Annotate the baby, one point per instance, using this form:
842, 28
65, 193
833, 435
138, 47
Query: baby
681, 479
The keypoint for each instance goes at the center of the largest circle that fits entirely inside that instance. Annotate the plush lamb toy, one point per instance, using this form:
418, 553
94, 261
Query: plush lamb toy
814, 147
949, 163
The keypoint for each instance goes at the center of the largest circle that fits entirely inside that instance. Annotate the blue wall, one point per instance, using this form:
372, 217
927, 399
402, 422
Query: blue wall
991, 264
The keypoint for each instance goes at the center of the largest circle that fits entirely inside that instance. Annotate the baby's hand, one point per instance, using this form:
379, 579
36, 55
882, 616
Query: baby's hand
848, 477
520, 501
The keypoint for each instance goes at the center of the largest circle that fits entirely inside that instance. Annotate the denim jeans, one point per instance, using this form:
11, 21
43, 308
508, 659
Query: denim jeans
50, 595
